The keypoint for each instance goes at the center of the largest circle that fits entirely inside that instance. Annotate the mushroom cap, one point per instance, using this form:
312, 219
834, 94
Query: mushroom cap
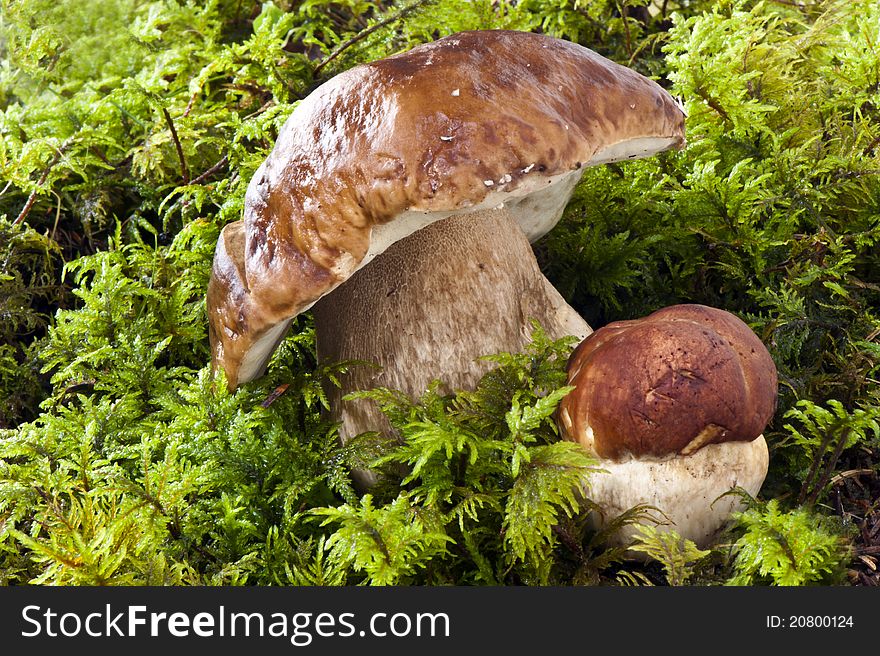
668, 384
461, 124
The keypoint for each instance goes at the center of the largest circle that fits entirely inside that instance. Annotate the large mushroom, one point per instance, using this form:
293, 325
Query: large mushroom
674, 406
437, 167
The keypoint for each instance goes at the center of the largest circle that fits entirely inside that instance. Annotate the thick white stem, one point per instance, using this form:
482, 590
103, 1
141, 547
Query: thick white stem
689, 490
430, 305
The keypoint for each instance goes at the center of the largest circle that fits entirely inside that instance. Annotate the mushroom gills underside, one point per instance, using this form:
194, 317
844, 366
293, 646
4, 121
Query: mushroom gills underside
257, 357
536, 205
637, 148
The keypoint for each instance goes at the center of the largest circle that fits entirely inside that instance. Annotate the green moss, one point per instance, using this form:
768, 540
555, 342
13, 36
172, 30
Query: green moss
123, 462
796, 547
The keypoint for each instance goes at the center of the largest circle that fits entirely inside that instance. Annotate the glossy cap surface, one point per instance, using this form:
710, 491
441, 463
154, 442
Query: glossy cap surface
461, 124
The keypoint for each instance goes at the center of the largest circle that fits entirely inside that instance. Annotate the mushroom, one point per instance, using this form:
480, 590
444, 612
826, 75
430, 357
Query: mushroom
400, 200
673, 405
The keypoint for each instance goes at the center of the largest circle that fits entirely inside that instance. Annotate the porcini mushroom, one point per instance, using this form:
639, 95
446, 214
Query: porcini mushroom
674, 406
436, 166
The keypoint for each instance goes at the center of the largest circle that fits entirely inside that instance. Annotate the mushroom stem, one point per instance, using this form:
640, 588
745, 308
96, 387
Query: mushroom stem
691, 492
466, 286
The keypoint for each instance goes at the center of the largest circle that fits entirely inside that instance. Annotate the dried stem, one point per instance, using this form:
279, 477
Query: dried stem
624, 16
32, 198
363, 34
211, 171
713, 103
814, 468
183, 169
829, 468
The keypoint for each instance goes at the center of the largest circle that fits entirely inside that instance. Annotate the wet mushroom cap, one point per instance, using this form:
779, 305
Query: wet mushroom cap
458, 125
669, 384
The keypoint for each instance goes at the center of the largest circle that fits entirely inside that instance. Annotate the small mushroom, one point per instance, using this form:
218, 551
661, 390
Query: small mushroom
674, 406
400, 200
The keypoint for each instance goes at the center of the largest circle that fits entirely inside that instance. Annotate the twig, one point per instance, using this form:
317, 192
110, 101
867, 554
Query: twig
624, 15
363, 34
713, 103
849, 474
33, 196
269, 103
823, 480
829, 468
192, 102
278, 391
873, 144
100, 155
211, 171
814, 467
45, 176
183, 170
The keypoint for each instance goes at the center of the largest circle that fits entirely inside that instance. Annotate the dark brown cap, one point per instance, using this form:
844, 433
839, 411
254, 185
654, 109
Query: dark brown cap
460, 124
672, 382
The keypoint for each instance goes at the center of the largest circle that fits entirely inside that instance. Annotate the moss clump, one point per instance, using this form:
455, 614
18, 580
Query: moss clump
128, 132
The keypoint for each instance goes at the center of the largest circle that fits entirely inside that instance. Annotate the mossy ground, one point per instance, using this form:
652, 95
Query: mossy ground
128, 132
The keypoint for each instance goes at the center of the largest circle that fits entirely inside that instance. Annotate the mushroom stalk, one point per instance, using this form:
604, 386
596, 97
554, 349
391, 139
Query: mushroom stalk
431, 305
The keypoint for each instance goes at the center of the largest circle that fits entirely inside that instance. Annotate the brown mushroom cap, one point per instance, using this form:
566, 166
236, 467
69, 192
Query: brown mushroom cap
674, 404
461, 124
670, 383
